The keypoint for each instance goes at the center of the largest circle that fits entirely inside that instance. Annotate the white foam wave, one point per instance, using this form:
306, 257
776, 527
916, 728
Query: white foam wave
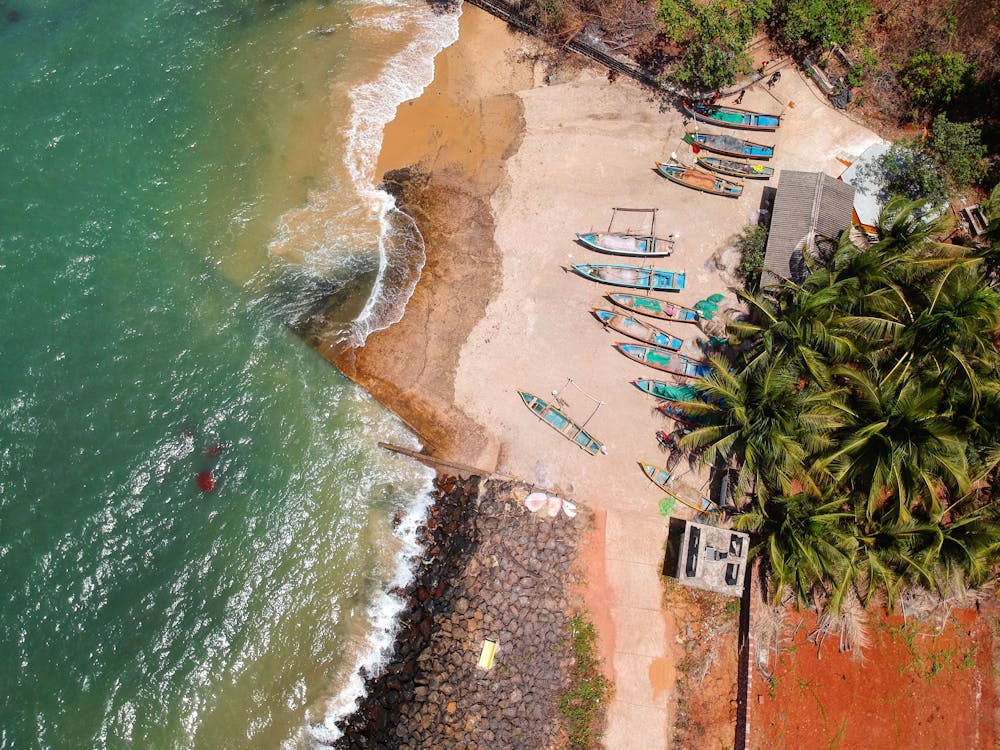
384, 618
373, 106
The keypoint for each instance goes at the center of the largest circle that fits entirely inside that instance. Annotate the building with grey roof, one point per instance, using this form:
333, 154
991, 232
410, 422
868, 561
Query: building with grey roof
811, 209
711, 558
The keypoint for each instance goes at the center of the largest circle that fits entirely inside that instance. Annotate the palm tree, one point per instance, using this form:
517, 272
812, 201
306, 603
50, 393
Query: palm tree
766, 421
897, 445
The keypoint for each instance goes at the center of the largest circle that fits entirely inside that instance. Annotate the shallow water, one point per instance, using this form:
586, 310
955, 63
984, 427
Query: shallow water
153, 158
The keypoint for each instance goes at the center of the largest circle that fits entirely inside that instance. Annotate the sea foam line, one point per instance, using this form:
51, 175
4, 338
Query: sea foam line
374, 106
384, 618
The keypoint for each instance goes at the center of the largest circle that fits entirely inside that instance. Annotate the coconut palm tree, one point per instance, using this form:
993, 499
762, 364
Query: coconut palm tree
766, 421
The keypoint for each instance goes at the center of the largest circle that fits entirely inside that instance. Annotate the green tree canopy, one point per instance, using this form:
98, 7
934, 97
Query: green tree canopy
959, 149
823, 23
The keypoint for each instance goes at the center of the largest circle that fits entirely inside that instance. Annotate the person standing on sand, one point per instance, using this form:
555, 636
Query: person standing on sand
739, 99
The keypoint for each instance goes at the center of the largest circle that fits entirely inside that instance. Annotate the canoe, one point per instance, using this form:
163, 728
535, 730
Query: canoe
633, 276
666, 391
562, 424
660, 476
665, 360
700, 180
616, 243
736, 168
731, 117
637, 329
730, 145
655, 308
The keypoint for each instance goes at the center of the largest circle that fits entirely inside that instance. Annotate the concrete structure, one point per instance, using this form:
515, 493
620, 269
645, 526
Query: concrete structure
810, 209
713, 559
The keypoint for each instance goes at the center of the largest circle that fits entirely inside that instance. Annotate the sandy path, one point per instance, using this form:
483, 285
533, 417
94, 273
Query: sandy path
507, 315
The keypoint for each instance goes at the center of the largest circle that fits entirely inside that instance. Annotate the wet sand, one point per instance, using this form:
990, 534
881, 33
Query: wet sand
509, 158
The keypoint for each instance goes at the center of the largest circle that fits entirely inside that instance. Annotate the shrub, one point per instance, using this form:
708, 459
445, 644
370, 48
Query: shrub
932, 79
582, 705
907, 170
752, 244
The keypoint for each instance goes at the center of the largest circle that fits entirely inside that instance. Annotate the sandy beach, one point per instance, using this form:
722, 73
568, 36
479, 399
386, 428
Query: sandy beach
508, 157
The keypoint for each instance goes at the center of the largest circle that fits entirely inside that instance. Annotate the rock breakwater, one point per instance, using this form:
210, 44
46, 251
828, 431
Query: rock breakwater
492, 571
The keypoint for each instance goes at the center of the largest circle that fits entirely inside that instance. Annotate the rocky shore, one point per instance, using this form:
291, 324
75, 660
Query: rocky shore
492, 570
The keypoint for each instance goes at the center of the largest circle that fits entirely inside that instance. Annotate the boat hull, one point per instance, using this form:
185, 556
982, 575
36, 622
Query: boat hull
635, 246
698, 179
637, 330
665, 360
666, 391
730, 145
636, 277
660, 476
562, 424
731, 117
736, 168
655, 308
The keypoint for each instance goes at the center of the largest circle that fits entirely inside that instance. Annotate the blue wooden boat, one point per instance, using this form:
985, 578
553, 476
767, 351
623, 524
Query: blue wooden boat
660, 476
667, 361
637, 329
562, 424
617, 243
731, 117
655, 308
666, 391
735, 168
698, 179
729, 145
632, 276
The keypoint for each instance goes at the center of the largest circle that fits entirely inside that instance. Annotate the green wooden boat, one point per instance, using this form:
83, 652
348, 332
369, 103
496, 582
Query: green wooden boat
666, 391
562, 424
665, 360
731, 117
655, 308
660, 476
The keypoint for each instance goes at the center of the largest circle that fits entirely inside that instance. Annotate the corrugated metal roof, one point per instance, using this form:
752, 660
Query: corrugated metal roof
807, 205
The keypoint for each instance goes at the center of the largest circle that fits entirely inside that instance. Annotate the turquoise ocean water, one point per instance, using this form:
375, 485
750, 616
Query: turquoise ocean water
178, 181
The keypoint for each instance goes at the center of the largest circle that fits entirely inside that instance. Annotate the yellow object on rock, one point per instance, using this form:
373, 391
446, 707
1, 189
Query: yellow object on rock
487, 655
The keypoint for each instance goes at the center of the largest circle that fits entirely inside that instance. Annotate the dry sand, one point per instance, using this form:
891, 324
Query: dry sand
495, 311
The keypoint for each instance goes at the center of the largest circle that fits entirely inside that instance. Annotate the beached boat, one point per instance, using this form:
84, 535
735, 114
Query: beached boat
729, 145
632, 276
731, 117
666, 391
665, 360
700, 180
675, 410
562, 424
655, 308
617, 243
660, 476
637, 329
736, 168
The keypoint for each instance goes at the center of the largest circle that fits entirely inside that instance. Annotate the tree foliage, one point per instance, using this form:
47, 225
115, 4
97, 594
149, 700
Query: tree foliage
752, 244
959, 149
909, 170
714, 35
863, 409
825, 23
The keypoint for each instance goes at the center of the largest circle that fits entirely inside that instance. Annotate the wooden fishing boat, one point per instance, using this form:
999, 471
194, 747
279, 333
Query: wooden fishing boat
637, 329
729, 145
700, 180
562, 424
675, 410
666, 391
660, 476
736, 168
617, 243
655, 308
632, 276
731, 117
665, 360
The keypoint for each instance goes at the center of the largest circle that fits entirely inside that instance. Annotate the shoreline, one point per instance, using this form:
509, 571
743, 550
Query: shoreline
495, 311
